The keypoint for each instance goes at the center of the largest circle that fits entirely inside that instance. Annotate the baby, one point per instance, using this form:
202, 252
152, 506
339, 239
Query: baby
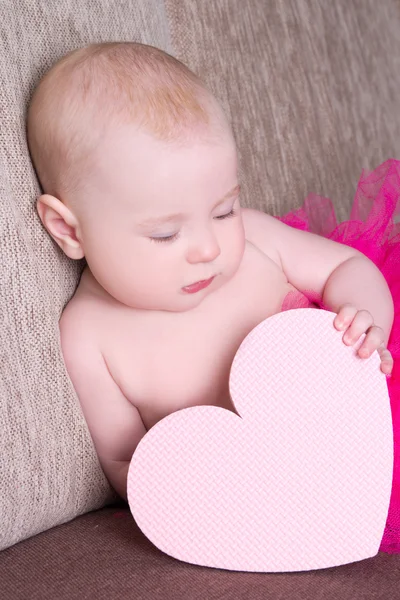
139, 171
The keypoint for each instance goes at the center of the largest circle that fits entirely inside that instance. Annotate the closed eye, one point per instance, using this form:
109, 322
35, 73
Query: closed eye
168, 238
231, 213
171, 238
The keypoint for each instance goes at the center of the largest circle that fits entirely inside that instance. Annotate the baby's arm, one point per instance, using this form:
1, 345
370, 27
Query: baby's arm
360, 283
113, 421
338, 274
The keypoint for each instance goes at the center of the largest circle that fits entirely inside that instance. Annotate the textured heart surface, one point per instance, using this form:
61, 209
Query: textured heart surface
299, 479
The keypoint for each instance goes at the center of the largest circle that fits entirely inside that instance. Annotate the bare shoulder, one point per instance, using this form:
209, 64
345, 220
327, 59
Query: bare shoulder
76, 327
82, 320
79, 344
262, 230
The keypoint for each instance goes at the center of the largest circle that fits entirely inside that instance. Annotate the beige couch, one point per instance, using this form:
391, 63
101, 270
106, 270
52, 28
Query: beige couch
311, 88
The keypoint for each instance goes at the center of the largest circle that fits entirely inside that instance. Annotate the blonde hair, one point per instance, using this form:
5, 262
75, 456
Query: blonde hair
99, 85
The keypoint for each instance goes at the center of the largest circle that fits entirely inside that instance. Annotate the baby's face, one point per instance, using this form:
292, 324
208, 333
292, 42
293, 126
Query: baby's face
163, 217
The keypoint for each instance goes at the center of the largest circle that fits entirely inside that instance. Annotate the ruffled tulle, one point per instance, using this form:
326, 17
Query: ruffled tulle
373, 230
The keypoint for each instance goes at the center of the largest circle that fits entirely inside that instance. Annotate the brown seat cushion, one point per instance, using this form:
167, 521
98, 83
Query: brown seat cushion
104, 556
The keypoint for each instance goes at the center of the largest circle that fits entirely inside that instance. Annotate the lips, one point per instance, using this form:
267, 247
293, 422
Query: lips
199, 285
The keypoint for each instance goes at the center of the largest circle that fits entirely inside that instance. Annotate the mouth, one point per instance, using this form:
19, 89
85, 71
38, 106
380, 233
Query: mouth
199, 285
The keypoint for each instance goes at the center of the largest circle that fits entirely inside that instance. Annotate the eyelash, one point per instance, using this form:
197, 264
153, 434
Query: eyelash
172, 238
230, 214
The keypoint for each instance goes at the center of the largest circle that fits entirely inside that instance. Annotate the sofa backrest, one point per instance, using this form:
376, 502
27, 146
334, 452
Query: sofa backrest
312, 89
49, 472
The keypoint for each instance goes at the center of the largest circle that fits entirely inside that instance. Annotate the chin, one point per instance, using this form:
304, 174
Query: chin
179, 307
189, 302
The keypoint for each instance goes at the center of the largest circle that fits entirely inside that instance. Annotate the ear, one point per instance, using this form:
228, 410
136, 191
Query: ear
61, 224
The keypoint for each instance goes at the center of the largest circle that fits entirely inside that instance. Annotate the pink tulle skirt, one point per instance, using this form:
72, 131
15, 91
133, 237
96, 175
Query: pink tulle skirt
371, 229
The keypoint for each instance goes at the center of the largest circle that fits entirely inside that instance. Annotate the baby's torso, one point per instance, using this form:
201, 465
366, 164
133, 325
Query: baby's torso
164, 362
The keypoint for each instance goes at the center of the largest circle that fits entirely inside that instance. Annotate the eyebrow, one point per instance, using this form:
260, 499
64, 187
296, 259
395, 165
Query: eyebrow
152, 222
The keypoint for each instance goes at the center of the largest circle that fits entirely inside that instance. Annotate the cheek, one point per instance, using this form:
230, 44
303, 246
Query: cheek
238, 245
236, 237
157, 261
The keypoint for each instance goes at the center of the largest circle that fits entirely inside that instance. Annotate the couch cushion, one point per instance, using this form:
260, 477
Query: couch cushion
49, 471
312, 89
104, 555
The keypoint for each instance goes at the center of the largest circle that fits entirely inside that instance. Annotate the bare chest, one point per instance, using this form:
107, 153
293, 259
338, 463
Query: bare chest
166, 362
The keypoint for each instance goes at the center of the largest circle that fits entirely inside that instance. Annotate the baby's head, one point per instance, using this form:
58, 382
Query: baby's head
138, 167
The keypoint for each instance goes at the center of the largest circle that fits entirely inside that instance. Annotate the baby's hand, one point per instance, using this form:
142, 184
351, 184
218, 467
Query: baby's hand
356, 322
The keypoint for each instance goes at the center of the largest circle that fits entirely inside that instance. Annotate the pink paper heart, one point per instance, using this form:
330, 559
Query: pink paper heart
300, 480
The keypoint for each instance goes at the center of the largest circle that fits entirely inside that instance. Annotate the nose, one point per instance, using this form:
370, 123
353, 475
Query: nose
204, 248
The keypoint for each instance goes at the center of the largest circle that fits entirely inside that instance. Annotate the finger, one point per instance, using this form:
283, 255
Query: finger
386, 360
360, 324
345, 316
373, 340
